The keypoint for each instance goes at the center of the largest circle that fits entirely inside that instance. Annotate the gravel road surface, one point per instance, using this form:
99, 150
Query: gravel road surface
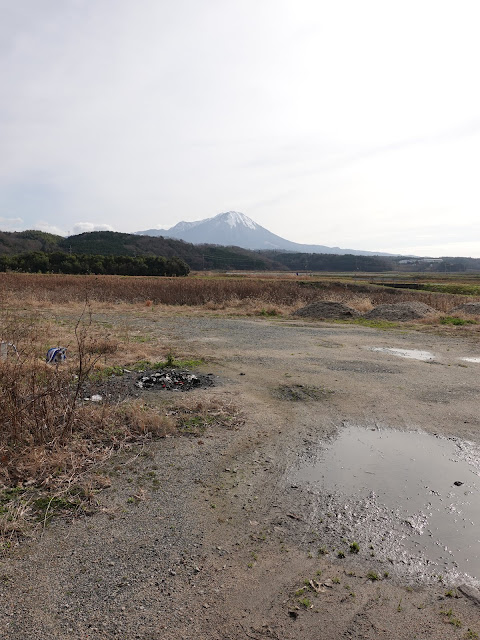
210, 538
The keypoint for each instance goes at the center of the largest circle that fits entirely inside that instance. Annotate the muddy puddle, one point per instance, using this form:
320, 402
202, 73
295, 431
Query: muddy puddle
410, 498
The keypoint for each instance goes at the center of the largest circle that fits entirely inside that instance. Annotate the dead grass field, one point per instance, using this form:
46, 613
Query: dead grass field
284, 294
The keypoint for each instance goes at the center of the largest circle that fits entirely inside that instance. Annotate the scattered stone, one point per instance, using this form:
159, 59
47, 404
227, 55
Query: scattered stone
458, 483
327, 309
400, 311
96, 398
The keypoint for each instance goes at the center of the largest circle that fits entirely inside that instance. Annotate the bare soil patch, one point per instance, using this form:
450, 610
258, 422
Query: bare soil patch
300, 392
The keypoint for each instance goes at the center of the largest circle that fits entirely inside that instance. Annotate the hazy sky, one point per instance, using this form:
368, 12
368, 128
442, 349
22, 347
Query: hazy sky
344, 123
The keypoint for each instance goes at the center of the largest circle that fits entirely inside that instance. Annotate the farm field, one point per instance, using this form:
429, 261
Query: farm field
163, 514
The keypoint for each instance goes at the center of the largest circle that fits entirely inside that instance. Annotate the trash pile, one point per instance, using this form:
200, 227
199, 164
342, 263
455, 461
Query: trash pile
173, 380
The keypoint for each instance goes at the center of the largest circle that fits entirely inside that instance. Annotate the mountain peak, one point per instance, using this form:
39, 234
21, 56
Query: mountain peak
237, 229
235, 218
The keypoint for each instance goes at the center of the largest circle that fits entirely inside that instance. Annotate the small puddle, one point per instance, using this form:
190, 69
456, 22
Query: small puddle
470, 359
414, 354
399, 487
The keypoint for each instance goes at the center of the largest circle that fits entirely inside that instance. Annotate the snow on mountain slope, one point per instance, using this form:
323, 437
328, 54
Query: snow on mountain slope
233, 228
234, 218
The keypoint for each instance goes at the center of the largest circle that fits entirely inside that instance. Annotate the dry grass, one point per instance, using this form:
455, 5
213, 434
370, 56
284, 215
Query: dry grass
52, 441
194, 415
50, 437
237, 295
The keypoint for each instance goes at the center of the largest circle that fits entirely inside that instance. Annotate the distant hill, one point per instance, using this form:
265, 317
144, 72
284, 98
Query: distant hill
234, 228
213, 257
23, 241
126, 244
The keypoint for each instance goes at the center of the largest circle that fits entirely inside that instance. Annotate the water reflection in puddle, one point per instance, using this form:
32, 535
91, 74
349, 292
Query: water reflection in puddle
471, 359
414, 354
413, 475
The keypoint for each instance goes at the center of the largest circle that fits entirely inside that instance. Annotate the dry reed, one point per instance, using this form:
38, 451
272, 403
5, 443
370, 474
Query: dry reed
22, 290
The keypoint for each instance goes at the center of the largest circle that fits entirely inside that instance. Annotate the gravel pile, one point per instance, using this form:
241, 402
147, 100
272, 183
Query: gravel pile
326, 309
400, 311
472, 308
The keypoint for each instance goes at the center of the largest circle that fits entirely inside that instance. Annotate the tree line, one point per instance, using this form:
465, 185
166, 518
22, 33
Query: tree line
84, 264
329, 261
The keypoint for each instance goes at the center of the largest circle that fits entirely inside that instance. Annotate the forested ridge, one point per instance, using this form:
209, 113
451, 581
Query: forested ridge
81, 264
101, 244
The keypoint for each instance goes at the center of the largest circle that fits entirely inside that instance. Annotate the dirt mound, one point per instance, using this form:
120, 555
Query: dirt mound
472, 308
400, 311
327, 309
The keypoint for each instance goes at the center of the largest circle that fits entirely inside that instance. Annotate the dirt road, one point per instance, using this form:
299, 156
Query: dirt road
215, 537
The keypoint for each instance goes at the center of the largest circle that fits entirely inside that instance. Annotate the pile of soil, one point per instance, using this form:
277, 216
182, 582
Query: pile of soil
327, 309
472, 308
400, 311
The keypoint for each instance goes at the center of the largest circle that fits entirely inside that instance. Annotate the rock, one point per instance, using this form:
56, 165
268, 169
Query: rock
327, 309
458, 483
471, 593
400, 311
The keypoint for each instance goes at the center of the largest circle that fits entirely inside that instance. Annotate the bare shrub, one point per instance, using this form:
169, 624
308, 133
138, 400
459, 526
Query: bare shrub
45, 423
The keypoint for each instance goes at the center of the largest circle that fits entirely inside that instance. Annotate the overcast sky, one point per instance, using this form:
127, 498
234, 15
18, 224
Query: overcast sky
335, 122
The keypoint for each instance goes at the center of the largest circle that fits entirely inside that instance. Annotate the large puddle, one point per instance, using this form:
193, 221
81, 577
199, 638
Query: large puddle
414, 495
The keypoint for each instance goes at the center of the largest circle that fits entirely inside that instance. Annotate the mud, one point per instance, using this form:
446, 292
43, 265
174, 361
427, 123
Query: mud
404, 484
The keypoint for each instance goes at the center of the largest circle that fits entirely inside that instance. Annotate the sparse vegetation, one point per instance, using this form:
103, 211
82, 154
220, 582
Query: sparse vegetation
455, 320
305, 602
450, 618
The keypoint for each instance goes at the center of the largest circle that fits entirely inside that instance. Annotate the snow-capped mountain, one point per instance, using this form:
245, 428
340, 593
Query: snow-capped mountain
236, 229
